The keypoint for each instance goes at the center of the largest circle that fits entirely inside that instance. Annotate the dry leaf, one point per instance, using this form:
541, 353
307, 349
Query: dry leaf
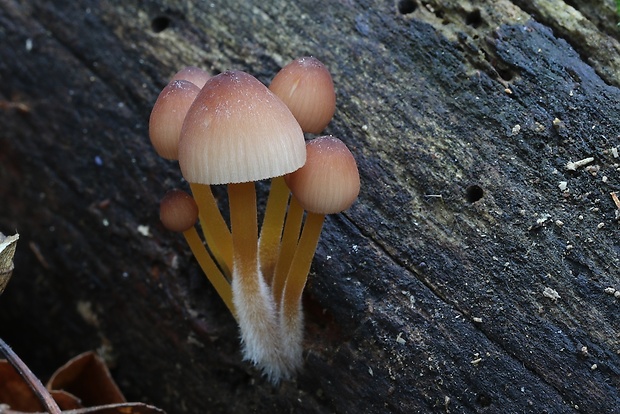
14, 391
81, 386
87, 377
7, 251
65, 400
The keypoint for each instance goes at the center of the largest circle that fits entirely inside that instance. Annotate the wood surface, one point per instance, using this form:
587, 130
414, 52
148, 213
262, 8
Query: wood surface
463, 280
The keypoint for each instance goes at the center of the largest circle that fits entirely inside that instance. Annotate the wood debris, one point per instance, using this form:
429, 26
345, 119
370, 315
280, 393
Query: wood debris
572, 166
551, 294
614, 197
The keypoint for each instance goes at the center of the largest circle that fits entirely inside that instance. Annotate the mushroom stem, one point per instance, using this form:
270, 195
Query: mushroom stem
290, 236
271, 230
179, 212
210, 269
251, 297
291, 319
242, 200
214, 227
300, 266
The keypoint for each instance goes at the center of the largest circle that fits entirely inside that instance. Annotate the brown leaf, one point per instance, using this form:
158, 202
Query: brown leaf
87, 378
66, 400
14, 391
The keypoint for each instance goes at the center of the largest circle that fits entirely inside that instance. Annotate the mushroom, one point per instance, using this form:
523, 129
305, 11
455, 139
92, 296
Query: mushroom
327, 184
178, 212
192, 74
165, 125
306, 87
171, 107
237, 132
168, 114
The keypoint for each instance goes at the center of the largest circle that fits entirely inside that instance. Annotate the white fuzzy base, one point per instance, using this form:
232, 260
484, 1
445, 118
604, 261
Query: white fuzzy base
291, 337
268, 344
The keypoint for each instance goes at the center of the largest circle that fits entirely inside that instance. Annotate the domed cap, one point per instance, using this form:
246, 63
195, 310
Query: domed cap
306, 87
329, 181
238, 131
178, 211
167, 117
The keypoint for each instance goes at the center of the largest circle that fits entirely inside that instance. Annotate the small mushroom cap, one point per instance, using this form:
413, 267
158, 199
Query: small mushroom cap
192, 74
238, 131
306, 87
167, 117
178, 211
329, 181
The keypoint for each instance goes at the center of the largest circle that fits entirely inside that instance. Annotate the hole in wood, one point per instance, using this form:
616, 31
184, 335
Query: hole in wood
474, 19
160, 23
484, 400
407, 6
473, 193
505, 73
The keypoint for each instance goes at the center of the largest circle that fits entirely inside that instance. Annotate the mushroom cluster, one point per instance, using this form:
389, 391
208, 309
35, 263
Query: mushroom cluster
231, 129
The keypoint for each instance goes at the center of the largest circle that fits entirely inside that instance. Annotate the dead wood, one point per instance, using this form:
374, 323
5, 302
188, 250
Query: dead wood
476, 273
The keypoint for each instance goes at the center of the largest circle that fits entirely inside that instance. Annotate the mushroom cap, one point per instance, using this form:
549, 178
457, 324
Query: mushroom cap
306, 87
238, 131
192, 74
329, 181
178, 211
168, 114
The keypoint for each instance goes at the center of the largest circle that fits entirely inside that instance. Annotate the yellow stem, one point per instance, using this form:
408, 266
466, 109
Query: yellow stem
290, 236
271, 230
214, 227
251, 297
210, 269
300, 266
243, 222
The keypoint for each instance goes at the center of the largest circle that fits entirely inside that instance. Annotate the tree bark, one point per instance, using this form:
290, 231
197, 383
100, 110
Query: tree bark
476, 272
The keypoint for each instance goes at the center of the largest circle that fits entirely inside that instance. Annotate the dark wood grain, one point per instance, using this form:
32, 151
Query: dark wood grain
424, 296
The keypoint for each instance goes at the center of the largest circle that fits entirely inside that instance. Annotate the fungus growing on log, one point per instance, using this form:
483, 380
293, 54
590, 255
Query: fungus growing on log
165, 125
178, 212
306, 87
235, 131
171, 107
238, 131
327, 184
167, 117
